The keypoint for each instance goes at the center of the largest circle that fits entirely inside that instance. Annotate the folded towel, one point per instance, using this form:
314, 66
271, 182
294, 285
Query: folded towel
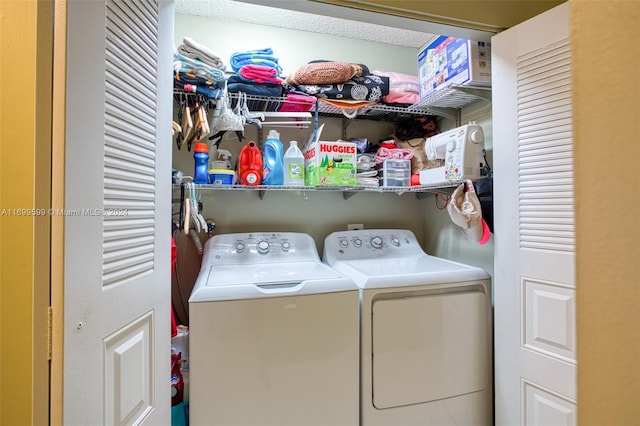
298, 103
367, 181
184, 64
259, 74
328, 72
404, 98
203, 90
399, 82
192, 49
235, 84
188, 78
255, 57
385, 154
403, 88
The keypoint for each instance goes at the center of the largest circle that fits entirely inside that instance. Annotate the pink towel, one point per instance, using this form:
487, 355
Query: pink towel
401, 98
403, 88
260, 74
298, 103
398, 153
400, 82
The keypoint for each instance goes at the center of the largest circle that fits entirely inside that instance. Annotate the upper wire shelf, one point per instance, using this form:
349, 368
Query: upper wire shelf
442, 102
454, 96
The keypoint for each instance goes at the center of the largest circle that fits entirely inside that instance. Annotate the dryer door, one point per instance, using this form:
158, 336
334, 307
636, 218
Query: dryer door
429, 347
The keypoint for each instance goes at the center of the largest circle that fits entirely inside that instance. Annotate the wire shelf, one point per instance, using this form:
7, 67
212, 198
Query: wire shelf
348, 191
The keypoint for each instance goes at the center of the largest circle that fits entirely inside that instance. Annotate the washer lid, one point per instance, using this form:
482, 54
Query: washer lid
227, 282
267, 273
417, 270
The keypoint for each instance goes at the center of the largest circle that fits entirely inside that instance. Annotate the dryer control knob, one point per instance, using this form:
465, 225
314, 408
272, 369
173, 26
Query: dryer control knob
286, 245
376, 242
263, 246
240, 247
395, 241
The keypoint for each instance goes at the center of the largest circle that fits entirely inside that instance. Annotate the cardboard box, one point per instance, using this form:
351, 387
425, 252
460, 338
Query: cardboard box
451, 60
330, 164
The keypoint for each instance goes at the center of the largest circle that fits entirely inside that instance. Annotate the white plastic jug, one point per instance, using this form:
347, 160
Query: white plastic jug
293, 165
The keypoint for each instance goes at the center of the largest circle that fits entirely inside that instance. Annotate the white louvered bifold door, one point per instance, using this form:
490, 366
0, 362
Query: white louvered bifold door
534, 282
117, 213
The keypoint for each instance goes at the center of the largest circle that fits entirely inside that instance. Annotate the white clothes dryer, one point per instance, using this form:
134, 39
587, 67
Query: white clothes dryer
273, 335
426, 331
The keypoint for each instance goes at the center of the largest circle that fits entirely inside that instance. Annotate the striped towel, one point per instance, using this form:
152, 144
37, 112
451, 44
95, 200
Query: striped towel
184, 64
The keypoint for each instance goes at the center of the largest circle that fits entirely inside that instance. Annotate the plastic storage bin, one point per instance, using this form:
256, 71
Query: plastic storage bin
396, 173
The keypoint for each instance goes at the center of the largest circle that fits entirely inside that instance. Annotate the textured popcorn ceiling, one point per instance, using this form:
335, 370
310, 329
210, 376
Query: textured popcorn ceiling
228, 10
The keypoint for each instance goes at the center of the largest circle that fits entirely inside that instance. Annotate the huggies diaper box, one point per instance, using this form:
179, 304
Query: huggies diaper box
330, 163
451, 60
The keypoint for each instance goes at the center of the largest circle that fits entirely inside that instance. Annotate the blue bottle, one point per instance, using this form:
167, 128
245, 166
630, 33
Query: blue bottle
272, 162
201, 159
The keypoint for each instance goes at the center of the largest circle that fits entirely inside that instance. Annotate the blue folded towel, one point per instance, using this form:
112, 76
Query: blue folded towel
255, 57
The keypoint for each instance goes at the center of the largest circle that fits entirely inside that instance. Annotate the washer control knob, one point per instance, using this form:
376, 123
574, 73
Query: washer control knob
376, 242
286, 245
263, 246
240, 247
344, 243
357, 242
395, 241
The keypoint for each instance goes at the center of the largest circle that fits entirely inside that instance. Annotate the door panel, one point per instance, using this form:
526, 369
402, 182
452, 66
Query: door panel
535, 330
545, 408
117, 213
440, 353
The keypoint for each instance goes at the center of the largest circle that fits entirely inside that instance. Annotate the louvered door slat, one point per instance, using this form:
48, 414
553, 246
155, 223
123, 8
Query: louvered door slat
545, 151
130, 150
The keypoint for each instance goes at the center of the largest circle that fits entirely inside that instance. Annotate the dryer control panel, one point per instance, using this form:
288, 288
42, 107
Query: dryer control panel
371, 244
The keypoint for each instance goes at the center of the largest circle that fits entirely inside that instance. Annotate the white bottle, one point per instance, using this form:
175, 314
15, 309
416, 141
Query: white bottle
293, 165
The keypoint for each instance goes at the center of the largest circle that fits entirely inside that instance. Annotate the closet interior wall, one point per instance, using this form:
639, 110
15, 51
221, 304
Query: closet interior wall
319, 213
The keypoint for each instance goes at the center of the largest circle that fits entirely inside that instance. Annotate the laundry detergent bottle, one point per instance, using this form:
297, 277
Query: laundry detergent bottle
272, 160
250, 165
293, 165
201, 160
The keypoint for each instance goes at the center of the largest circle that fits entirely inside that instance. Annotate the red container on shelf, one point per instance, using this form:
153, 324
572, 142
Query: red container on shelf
250, 165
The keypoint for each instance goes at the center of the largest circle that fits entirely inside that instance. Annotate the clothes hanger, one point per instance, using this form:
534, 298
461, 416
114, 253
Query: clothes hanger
254, 118
187, 124
180, 137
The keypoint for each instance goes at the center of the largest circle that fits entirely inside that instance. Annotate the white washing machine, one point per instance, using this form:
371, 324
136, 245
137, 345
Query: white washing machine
426, 340
273, 335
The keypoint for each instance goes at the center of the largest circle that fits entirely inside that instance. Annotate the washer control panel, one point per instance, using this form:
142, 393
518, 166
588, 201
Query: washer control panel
260, 247
370, 244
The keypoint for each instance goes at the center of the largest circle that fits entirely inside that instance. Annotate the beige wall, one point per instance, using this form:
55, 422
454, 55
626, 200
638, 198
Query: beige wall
25, 113
606, 54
